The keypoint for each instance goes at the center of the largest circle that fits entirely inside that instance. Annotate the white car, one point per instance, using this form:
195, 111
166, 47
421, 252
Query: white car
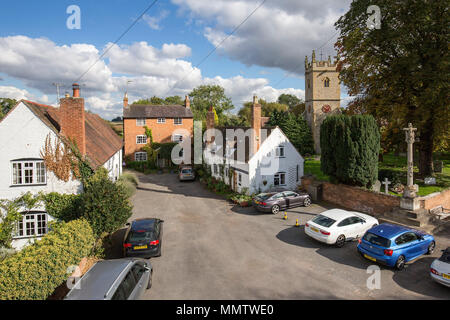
440, 269
337, 226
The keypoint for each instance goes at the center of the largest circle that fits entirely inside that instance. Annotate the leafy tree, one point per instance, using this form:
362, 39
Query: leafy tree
296, 129
6, 104
105, 203
350, 146
267, 109
174, 100
204, 96
400, 72
289, 99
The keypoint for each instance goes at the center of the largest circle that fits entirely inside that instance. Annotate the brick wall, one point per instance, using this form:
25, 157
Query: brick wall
436, 199
161, 132
359, 199
72, 121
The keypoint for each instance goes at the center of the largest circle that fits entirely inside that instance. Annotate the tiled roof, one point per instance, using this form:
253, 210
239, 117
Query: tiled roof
157, 111
101, 141
233, 144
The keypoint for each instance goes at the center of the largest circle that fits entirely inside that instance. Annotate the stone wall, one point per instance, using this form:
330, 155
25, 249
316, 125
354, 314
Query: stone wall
358, 199
436, 199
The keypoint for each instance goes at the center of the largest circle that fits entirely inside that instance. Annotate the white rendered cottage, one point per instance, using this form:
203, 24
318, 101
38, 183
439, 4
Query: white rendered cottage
23, 132
255, 159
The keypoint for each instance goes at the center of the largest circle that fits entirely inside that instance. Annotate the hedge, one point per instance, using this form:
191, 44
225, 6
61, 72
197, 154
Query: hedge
35, 272
350, 146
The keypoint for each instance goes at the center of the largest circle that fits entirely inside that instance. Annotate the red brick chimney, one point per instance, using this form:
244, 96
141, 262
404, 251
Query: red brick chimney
256, 124
72, 118
210, 123
187, 102
125, 101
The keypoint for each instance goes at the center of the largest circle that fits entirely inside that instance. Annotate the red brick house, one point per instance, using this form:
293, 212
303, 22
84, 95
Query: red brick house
168, 123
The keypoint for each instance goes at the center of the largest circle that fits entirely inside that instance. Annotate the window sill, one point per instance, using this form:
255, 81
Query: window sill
27, 185
28, 237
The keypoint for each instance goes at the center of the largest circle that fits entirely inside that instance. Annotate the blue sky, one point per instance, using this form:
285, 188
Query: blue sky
264, 57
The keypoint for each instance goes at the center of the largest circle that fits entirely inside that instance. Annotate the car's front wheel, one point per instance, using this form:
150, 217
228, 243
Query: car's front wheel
275, 209
400, 264
431, 247
340, 241
307, 202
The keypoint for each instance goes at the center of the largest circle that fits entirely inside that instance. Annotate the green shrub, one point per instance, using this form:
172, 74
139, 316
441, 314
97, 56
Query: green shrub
105, 204
394, 176
129, 183
35, 272
66, 207
350, 146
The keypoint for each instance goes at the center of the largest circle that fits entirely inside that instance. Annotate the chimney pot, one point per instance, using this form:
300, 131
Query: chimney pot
76, 90
187, 102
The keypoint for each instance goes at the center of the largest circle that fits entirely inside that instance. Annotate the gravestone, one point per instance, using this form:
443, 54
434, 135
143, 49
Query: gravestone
376, 186
386, 183
438, 165
431, 181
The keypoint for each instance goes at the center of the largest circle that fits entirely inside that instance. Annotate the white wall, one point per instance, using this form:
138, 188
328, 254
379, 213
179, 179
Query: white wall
22, 135
114, 166
288, 164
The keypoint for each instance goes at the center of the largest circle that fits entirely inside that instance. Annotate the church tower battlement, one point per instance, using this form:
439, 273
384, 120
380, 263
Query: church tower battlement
322, 93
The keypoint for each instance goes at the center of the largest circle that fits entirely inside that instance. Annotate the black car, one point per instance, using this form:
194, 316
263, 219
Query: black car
143, 238
276, 201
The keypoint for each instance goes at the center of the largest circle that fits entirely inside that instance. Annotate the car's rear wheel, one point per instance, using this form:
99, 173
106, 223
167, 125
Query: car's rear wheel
400, 264
340, 241
431, 247
275, 209
307, 202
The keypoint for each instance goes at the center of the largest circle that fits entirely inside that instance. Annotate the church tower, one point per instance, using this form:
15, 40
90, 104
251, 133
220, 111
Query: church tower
322, 94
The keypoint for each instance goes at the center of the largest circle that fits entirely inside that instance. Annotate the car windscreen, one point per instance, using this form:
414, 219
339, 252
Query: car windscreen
323, 221
264, 196
140, 235
186, 171
377, 240
445, 256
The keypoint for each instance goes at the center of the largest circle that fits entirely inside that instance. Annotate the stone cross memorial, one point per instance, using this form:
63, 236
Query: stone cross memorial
410, 190
386, 183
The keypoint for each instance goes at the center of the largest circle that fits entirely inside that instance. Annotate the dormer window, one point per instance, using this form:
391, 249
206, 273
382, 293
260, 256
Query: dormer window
326, 83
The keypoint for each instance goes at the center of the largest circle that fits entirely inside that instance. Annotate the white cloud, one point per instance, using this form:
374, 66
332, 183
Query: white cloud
153, 71
154, 21
279, 34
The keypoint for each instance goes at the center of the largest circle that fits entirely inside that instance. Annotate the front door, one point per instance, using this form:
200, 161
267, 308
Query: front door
234, 181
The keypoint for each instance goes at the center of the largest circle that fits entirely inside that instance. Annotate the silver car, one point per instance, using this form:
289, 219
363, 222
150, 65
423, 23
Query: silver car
120, 279
186, 174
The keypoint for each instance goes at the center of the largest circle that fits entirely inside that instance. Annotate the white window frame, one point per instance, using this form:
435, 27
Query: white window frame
141, 159
279, 175
161, 120
38, 170
278, 152
139, 122
178, 121
177, 138
140, 136
32, 219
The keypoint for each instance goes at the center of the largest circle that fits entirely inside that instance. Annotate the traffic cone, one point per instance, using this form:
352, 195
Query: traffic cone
296, 223
285, 216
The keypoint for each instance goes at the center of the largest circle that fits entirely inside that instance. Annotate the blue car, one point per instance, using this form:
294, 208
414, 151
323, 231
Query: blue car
394, 245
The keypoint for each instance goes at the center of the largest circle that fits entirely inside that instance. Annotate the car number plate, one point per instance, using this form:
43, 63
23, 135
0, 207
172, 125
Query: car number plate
140, 247
446, 276
370, 258
314, 229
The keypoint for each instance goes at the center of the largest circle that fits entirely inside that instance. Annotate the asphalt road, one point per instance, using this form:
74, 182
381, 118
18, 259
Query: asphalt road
215, 250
